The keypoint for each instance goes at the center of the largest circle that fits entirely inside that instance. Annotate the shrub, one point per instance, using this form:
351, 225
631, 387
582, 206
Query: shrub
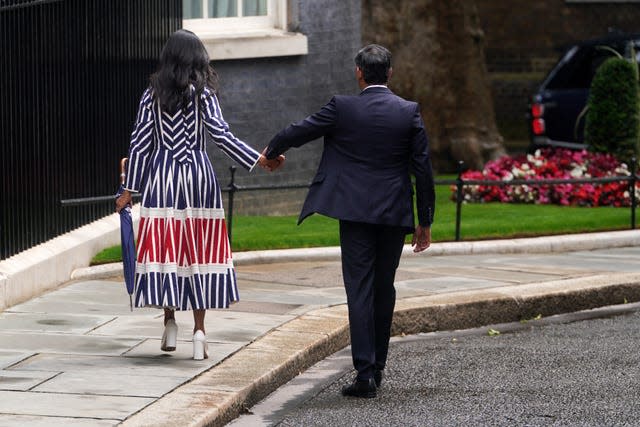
613, 115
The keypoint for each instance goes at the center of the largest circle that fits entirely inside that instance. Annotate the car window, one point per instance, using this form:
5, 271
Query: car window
578, 72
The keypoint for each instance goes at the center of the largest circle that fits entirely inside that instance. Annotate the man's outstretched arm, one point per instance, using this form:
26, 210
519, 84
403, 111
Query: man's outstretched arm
298, 134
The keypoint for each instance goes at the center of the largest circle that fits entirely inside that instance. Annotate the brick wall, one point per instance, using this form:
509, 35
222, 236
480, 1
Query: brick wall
261, 96
524, 39
538, 28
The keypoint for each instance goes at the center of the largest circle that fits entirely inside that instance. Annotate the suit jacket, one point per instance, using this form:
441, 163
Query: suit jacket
371, 144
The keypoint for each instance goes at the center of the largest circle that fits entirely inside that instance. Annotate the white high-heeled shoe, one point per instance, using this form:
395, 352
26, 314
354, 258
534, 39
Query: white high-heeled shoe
200, 346
170, 336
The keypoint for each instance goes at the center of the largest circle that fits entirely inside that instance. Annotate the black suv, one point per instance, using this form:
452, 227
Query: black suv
557, 110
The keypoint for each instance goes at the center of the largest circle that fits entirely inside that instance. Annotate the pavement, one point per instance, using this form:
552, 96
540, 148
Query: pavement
76, 356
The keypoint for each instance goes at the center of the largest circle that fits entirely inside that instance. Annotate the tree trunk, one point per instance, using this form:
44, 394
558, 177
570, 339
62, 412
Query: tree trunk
438, 61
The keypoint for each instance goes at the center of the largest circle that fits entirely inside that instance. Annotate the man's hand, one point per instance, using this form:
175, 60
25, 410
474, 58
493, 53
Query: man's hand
270, 165
421, 238
123, 200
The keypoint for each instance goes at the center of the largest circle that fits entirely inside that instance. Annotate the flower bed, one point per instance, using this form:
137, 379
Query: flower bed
551, 163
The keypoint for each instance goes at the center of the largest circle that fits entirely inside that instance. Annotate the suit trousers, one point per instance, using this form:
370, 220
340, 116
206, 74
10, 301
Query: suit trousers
370, 256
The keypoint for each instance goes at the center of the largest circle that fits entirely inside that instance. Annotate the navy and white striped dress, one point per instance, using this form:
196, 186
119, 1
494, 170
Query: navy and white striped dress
183, 255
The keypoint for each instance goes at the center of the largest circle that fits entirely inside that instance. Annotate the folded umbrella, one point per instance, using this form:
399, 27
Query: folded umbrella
127, 241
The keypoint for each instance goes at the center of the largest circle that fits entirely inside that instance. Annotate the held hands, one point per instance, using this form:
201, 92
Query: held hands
421, 238
270, 165
123, 200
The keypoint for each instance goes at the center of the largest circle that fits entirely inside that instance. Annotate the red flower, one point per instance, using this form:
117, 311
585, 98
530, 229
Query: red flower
550, 163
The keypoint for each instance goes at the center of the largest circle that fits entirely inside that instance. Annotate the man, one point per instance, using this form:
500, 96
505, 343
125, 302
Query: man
371, 143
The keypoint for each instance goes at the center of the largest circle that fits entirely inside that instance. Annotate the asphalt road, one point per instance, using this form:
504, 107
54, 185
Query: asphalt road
560, 371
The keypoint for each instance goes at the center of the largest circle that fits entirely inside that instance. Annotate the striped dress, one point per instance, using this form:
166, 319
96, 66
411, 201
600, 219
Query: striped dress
184, 259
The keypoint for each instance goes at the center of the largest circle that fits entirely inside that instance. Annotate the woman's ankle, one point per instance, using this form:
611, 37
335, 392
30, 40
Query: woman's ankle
169, 315
198, 320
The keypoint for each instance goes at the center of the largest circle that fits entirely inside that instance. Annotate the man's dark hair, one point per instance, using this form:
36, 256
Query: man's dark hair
375, 63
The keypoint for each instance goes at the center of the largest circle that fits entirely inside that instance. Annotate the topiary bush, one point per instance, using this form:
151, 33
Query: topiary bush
613, 115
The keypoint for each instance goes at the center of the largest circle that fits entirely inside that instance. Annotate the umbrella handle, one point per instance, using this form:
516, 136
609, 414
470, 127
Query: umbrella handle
123, 166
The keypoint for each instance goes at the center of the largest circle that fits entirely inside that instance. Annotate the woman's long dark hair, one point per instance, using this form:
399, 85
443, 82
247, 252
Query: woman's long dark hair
184, 61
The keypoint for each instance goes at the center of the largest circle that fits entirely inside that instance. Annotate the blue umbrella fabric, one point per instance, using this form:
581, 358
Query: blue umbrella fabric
128, 248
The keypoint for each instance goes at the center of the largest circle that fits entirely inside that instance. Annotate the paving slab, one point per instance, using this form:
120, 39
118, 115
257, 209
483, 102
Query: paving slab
51, 322
9, 357
66, 343
105, 383
113, 365
301, 274
265, 307
255, 291
493, 274
326, 274
88, 307
446, 284
23, 380
217, 351
88, 297
70, 405
549, 270
9, 420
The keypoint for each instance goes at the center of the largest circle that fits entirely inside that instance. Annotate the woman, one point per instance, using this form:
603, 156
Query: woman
183, 256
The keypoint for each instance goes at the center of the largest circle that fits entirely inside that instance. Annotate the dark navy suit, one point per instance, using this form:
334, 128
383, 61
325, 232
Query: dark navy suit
372, 142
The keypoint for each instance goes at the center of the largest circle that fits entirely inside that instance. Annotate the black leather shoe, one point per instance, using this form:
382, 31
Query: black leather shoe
377, 376
360, 388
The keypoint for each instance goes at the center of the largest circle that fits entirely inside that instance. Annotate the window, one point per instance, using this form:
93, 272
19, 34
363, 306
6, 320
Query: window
196, 9
234, 29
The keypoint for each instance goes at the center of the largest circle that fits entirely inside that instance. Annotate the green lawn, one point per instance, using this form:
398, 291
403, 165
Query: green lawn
479, 221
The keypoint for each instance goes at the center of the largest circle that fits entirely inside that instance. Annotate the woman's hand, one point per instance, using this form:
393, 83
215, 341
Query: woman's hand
123, 200
271, 165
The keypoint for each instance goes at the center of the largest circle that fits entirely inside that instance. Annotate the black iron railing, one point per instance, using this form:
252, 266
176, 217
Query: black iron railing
71, 73
460, 183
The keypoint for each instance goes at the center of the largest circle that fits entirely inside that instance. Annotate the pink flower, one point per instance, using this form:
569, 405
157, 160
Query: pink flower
550, 163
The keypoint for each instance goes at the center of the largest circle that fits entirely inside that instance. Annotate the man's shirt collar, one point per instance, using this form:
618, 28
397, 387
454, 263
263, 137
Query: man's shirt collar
370, 86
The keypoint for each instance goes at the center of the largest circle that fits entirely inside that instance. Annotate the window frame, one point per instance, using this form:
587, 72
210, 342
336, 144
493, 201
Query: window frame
250, 36
207, 26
